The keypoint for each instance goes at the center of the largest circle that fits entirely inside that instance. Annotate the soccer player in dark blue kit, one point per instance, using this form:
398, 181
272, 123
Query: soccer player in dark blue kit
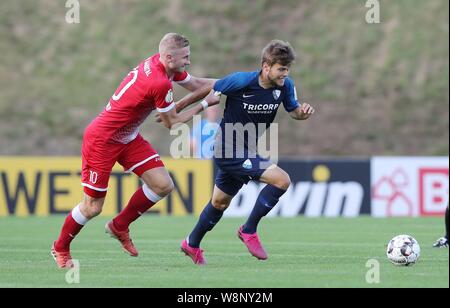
251, 106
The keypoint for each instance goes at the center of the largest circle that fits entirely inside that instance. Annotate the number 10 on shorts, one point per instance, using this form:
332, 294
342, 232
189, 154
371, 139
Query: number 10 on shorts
93, 177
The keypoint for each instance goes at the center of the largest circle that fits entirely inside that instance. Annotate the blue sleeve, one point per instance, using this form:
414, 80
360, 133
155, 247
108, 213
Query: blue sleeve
234, 82
290, 101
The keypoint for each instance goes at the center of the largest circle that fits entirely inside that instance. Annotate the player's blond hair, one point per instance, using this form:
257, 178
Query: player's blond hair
278, 52
171, 42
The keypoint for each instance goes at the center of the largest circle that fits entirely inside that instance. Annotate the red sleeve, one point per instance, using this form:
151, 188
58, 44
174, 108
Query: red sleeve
163, 96
181, 78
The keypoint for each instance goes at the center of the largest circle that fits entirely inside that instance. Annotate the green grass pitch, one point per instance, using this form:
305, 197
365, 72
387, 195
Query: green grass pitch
303, 252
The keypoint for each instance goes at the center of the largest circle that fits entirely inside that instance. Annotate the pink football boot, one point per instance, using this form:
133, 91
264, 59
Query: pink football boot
253, 244
196, 254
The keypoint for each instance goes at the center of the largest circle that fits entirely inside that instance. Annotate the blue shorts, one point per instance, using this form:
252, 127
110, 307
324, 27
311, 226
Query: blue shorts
234, 173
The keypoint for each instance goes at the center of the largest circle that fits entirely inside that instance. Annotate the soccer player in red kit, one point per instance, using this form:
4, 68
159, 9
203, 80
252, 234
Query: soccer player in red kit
113, 136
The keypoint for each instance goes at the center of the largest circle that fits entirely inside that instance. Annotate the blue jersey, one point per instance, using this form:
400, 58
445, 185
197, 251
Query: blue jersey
249, 111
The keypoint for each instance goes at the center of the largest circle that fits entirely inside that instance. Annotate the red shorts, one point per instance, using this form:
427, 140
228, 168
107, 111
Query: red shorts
99, 157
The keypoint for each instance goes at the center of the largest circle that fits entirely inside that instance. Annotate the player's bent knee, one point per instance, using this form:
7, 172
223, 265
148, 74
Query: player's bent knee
287, 183
167, 189
92, 207
220, 205
163, 188
93, 210
284, 182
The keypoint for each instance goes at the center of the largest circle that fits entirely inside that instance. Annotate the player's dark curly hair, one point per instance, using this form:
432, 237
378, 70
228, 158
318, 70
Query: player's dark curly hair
278, 52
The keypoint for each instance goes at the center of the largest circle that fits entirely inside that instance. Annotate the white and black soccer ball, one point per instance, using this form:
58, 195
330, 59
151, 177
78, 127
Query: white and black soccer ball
403, 250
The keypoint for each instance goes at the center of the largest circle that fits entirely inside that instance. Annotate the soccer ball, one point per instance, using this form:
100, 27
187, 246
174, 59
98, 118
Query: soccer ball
403, 250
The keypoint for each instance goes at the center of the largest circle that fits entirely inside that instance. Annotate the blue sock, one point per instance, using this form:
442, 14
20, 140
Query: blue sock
267, 199
208, 219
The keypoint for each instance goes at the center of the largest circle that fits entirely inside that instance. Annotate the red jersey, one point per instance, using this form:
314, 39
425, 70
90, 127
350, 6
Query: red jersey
145, 88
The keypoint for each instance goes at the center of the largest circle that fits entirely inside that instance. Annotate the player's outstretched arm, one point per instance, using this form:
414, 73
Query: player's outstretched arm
193, 97
196, 83
171, 117
302, 112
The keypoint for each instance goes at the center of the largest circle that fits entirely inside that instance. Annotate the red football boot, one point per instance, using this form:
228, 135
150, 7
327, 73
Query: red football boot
123, 237
63, 259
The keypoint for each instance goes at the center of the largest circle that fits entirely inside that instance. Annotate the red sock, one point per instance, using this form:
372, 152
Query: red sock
138, 205
68, 232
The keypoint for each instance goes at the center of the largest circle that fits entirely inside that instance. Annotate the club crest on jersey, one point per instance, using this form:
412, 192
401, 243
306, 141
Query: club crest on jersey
169, 96
276, 94
247, 164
